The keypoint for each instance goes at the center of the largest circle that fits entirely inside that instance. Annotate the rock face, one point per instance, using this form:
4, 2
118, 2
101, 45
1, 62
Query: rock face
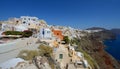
103, 34
41, 62
93, 45
95, 28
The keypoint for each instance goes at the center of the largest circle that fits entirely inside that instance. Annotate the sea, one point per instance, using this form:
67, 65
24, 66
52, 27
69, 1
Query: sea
113, 47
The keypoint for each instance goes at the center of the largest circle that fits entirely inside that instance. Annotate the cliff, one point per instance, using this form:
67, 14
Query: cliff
104, 33
92, 44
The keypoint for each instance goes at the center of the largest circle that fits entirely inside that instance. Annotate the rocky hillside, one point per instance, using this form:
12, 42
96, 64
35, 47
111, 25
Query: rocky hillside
92, 44
95, 28
104, 33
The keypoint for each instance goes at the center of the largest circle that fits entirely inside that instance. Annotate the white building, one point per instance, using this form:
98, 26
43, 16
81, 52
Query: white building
10, 27
45, 33
27, 20
85, 63
14, 21
20, 28
7, 27
92, 31
79, 54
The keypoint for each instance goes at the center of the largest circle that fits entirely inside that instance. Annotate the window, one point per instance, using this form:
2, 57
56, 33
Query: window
24, 18
60, 56
33, 19
57, 33
48, 31
29, 24
17, 21
24, 22
28, 18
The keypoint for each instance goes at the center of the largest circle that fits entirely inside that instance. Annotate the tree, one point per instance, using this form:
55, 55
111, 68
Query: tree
66, 39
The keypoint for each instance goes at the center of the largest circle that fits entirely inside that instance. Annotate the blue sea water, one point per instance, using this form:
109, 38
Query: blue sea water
113, 47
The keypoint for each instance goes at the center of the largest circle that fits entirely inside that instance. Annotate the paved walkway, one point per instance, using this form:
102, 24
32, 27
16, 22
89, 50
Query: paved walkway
12, 49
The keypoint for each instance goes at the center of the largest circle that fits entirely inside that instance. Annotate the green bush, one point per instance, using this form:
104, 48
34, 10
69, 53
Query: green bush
45, 50
66, 39
24, 33
13, 33
27, 33
28, 54
74, 41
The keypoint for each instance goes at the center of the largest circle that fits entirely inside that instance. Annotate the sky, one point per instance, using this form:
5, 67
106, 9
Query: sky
79, 14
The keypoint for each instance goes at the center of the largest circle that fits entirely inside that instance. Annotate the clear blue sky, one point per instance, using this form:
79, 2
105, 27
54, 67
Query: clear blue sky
75, 13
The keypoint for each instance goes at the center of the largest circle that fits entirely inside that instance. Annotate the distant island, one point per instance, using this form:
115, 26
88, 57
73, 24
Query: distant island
116, 30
